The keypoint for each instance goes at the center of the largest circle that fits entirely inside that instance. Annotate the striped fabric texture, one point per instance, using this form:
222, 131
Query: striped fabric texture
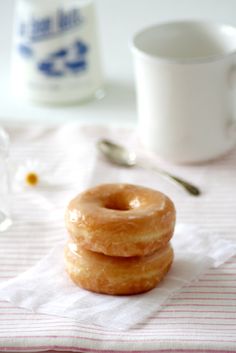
201, 318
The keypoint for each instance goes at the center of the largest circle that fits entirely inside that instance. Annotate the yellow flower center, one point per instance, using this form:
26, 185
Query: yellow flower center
32, 179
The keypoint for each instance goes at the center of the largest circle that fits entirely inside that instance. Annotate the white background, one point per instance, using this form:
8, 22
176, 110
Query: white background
118, 21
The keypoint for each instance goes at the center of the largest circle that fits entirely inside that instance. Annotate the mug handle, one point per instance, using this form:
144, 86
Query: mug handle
231, 123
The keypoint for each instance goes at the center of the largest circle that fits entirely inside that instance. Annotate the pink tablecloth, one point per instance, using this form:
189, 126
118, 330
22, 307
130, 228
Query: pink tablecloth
202, 318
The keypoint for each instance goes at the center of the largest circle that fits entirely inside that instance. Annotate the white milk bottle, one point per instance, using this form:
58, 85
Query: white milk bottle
55, 51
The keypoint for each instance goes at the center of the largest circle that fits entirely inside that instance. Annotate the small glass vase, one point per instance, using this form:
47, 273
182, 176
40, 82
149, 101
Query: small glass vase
5, 213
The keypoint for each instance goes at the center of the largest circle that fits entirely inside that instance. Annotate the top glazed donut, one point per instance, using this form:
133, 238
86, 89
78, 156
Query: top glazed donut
121, 219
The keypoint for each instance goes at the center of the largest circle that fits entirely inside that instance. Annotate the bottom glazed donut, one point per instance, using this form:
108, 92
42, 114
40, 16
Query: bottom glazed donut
116, 275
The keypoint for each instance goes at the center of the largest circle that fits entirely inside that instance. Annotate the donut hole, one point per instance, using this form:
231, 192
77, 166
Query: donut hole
119, 203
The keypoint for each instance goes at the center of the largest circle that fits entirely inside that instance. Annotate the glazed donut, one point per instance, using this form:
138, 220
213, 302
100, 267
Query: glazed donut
121, 220
116, 275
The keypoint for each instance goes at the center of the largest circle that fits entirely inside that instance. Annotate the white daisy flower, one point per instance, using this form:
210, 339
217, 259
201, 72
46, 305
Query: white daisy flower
32, 173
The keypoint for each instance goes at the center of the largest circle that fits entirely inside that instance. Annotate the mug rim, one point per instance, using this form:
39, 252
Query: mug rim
191, 60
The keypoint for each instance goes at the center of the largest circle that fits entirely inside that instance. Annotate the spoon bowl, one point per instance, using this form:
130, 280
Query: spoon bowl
117, 154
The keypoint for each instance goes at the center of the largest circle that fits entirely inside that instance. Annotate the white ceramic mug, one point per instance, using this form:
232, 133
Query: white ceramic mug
185, 82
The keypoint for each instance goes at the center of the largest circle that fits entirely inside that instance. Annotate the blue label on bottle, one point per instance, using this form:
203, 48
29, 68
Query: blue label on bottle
68, 59
45, 27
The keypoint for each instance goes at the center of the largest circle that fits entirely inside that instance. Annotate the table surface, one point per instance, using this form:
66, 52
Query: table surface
202, 318
118, 21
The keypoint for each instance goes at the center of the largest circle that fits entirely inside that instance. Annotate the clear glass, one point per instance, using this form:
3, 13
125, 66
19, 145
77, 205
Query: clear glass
5, 214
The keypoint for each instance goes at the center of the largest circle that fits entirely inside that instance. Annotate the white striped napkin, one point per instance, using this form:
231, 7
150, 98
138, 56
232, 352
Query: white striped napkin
46, 288
200, 318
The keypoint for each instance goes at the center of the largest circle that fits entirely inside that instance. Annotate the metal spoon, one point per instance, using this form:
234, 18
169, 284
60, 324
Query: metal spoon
119, 155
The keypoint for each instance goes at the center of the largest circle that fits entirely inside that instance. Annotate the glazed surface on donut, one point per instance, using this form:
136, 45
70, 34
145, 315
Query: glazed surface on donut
121, 219
116, 275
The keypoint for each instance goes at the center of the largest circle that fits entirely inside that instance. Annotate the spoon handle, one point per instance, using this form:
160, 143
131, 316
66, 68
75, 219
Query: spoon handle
190, 188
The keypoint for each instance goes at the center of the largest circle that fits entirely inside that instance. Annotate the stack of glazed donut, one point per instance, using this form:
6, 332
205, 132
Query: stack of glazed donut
119, 238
